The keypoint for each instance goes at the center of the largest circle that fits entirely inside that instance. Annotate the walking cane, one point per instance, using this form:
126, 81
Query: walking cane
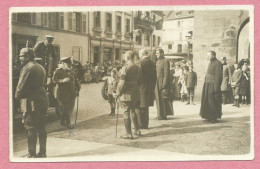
117, 107
77, 109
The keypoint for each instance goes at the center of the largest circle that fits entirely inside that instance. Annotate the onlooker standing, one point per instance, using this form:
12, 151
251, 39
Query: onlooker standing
226, 80
211, 108
191, 83
32, 95
152, 56
177, 75
183, 90
146, 88
111, 87
246, 70
162, 87
235, 84
244, 85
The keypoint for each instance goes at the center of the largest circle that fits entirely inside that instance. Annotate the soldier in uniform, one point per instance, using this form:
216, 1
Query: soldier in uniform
68, 87
128, 90
34, 102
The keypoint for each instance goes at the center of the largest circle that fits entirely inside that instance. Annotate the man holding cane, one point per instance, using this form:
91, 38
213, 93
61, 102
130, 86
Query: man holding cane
128, 90
67, 90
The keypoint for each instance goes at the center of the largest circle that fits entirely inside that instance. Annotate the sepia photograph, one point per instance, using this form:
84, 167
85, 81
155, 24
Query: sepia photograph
131, 83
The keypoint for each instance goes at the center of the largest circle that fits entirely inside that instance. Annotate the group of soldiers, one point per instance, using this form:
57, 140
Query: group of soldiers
35, 81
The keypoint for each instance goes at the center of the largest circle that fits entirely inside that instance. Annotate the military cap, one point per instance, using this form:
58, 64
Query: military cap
49, 37
66, 59
26, 51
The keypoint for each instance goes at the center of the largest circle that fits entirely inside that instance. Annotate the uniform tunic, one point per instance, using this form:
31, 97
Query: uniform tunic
211, 107
164, 106
34, 104
66, 92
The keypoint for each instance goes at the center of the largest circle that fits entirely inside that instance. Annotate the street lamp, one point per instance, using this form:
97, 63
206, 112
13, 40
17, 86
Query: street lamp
188, 39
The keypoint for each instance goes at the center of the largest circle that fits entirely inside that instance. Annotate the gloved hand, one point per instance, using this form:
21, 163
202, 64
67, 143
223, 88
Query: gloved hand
65, 80
49, 81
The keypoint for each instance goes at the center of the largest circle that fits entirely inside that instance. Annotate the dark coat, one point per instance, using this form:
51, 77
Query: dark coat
30, 89
191, 79
226, 78
148, 82
128, 86
163, 83
48, 55
211, 107
153, 57
66, 91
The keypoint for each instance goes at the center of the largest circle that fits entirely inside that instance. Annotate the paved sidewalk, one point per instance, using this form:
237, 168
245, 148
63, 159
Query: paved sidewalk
183, 136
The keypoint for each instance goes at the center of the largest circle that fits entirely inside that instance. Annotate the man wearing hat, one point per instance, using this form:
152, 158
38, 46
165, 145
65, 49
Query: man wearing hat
31, 93
68, 87
46, 51
226, 80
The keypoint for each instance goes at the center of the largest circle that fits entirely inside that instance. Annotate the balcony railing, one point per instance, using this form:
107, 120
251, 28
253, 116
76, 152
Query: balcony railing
143, 23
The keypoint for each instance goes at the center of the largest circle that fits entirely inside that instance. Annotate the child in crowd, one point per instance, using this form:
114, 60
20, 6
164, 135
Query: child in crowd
184, 90
244, 88
191, 83
235, 84
111, 86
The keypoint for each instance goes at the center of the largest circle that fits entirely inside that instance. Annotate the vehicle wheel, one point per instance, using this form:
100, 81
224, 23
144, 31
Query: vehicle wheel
104, 91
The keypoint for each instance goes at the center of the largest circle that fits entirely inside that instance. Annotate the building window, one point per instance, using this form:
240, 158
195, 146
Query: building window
33, 17
52, 20
44, 19
118, 23
154, 40
154, 18
178, 14
138, 39
190, 12
14, 17
147, 40
70, 20
61, 20
127, 26
78, 21
170, 46
24, 18
179, 48
97, 19
76, 52
109, 22
179, 23
84, 23
159, 41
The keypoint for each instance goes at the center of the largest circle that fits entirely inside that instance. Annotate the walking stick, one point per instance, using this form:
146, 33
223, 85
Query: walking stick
77, 109
117, 107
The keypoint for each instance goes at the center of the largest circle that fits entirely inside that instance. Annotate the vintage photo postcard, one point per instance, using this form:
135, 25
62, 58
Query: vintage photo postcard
131, 83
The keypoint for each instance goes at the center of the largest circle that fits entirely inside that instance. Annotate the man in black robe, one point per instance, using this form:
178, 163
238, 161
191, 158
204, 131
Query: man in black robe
211, 108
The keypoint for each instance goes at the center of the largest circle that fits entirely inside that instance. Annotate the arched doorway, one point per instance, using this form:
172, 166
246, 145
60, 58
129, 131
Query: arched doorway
243, 43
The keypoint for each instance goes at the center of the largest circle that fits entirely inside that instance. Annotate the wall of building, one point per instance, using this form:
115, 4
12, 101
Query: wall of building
214, 30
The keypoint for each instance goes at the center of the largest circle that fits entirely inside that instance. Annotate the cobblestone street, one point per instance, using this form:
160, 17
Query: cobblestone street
184, 135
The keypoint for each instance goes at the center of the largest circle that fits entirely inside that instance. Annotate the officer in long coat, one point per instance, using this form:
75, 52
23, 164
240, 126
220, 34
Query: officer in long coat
163, 93
128, 90
211, 108
146, 88
34, 101
226, 79
68, 87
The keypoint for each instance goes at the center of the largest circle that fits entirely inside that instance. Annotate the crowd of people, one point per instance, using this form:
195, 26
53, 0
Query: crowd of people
134, 84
